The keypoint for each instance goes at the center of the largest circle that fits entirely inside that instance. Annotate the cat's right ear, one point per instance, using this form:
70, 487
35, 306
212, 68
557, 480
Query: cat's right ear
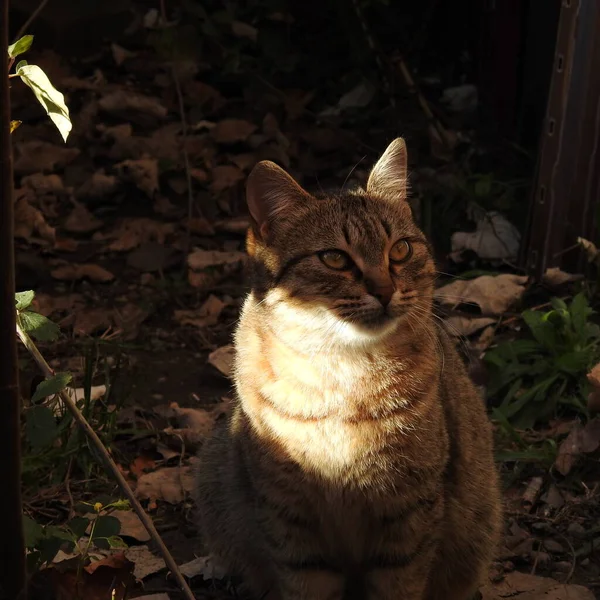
271, 195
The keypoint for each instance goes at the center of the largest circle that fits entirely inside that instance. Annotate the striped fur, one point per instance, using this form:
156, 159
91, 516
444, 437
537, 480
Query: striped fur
358, 461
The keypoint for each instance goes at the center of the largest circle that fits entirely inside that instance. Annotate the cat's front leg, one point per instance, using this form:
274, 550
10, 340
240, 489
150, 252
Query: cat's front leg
308, 584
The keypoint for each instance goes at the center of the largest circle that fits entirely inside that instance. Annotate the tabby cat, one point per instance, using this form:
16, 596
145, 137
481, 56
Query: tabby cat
357, 463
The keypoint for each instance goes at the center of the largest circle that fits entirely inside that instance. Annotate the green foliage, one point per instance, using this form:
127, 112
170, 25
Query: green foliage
48, 96
38, 326
52, 441
531, 378
20, 46
95, 528
51, 386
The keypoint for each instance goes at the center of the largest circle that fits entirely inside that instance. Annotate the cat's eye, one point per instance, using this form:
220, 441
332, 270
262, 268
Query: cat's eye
334, 259
400, 251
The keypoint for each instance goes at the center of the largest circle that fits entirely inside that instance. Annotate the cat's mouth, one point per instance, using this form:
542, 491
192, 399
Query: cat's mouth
373, 321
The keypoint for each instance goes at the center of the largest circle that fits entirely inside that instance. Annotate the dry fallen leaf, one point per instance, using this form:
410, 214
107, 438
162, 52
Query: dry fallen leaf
594, 397
230, 131
89, 320
207, 314
522, 586
555, 277
145, 563
74, 272
591, 250
29, 220
224, 177
142, 172
130, 233
493, 295
44, 184
582, 439
128, 319
132, 106
131, 526
205, 566
81, 220
141, 465
495, 238
36, 156
169, 484
458, 325
99, 185
222, 359
201, 259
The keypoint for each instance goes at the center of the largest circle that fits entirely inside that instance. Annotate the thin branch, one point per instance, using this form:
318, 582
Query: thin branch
110, 464
29, 21
186, 157
12, 553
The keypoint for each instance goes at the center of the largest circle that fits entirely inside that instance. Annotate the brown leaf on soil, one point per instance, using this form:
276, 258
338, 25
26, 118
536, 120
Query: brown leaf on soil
29, 220
207, 314
522, 586
224, 177
230, 131
222, 359
132, 106
170, 484
243, 161
36, 156
244, 30
201, 226
594, 397
130, 233
205, 566
120, 54
201, 259
581, 440
90, 320
115, 133
145, 563
48, 305
142, 172
237, 225
81, 220
74, 272
131, 526
141, 465
128, 319
99, 185
44, 184
459, 326
493, 295
554, 277
113, 561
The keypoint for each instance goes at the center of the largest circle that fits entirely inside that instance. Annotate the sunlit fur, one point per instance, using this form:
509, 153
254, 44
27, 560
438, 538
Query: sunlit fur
357, 439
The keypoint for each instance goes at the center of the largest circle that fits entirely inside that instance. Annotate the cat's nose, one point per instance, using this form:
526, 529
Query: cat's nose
382, 291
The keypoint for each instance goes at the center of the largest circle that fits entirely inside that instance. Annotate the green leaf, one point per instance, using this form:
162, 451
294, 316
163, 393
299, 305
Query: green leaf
20, 46
32, 531
40, 427
21, 63
580, 311
541, 329
14, 125
48, 96
38, 326
115, 541
106, 526
78, 525
51, 386
121, 505
24, 299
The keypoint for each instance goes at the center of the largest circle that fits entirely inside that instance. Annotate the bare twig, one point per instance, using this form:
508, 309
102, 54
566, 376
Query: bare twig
12, 553
110, 464
33, 16
186, 157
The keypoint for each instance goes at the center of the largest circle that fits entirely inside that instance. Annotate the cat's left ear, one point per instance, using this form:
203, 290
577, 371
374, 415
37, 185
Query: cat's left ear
389, 175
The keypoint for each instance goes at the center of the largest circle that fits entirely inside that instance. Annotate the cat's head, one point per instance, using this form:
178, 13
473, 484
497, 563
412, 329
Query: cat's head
348, 267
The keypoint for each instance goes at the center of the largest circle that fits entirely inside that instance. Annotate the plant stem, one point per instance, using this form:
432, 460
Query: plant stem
109, 463
12, 553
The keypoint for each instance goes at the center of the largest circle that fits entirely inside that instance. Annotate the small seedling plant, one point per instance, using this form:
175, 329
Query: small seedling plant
532, 379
